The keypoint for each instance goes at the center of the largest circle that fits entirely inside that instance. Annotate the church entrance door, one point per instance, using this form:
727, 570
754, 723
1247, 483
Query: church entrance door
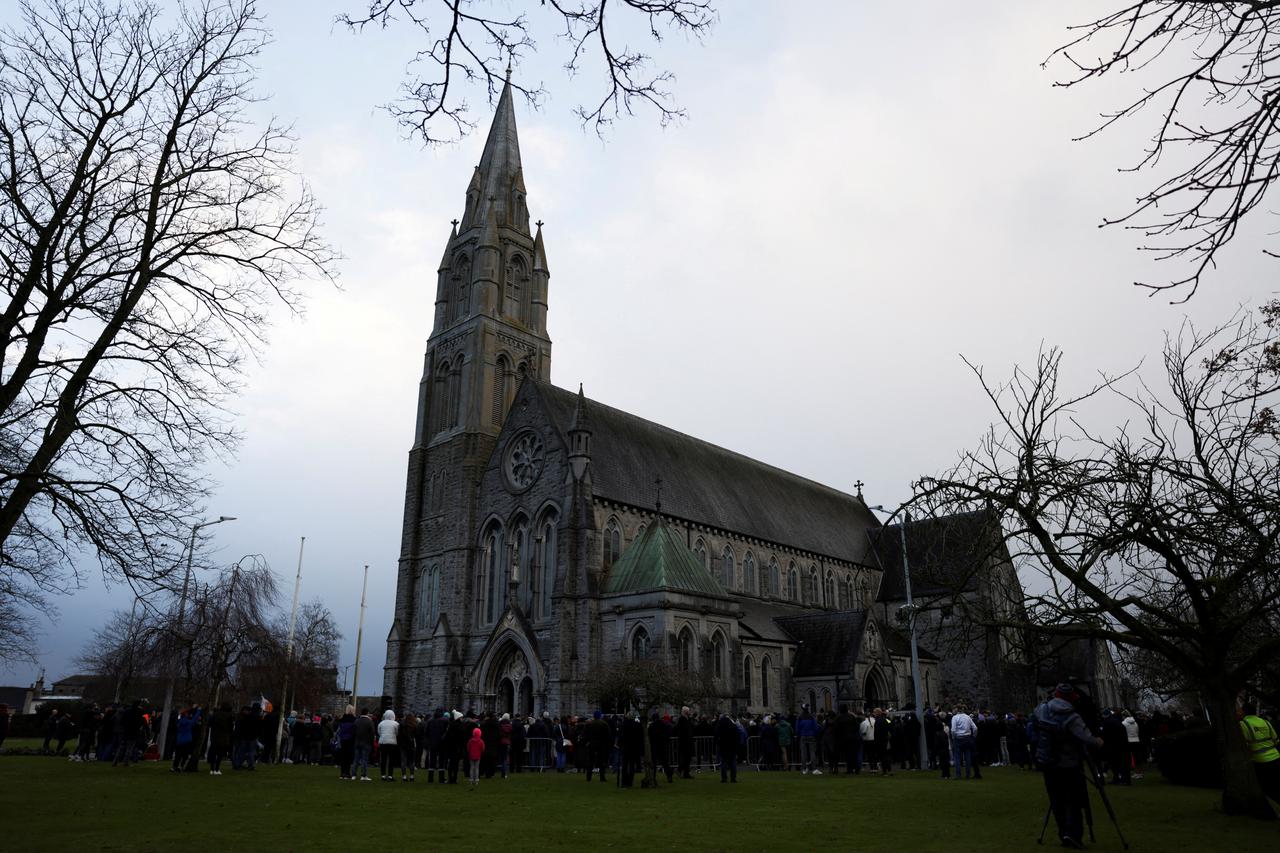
525, 706
875, 691
506, 696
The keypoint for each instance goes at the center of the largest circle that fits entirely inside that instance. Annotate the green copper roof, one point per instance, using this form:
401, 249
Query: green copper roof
657, 559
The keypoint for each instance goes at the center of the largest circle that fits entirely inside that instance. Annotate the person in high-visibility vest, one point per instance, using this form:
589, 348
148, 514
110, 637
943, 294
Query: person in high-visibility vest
1260, 739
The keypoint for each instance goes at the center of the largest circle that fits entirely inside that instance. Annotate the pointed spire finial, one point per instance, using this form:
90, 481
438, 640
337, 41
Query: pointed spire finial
657, 504
508, 68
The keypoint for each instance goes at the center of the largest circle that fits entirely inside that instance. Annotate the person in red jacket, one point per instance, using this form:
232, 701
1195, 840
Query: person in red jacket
475, 750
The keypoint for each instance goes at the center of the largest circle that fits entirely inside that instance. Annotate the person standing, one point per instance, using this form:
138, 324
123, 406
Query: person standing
221, 723
964, 734
1061, 738
407, 735
881, 732
599, 737
1133, 734
475, 751
184, 740
631, 747
1260, 738
364, 731
846, 737
455, 744
388, 745
660, 731
727, 738
519, 744
346, 742
786, 736
89, 722
807, 731
129, 727
684, 742
504, 743
1115, 741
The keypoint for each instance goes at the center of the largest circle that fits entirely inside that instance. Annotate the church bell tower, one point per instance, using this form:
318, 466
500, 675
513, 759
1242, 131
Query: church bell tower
489, 332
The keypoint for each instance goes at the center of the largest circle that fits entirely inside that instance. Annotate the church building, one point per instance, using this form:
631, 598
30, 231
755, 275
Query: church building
546, 534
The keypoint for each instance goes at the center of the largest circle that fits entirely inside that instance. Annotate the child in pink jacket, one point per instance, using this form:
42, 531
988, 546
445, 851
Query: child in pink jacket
475, 749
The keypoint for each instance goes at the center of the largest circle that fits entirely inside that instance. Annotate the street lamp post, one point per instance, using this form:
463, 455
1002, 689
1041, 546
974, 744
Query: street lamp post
165, 715
911, 626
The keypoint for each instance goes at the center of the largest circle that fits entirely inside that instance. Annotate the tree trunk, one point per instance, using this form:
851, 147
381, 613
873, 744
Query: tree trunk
1242, 794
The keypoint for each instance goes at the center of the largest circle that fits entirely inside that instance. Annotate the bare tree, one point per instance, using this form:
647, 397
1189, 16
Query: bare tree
130, 644
1210, 83
468, 44
1159, 535
312, 669
145, 229
643, 686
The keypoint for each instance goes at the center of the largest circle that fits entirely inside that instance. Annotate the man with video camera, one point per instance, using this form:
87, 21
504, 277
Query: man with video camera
1062, 736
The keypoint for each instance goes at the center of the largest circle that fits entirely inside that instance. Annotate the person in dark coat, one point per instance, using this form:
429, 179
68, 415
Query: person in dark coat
882, 736
365, 731
221, 724
455, 744
911, 741
407, 738
846, 738
660, 732
1115, 747
346, 742
727, 736
631, 745
130, 724
90, 719
684, 741
599, 739
437, 727
491, 731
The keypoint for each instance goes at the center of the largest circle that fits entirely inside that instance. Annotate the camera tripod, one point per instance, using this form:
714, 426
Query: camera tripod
1099, 785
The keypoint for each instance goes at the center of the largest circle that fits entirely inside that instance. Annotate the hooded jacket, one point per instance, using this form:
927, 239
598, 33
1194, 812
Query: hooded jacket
1061, 734
388, 728
475, 746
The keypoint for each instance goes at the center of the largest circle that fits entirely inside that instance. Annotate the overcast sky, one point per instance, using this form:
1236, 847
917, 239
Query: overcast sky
860, 195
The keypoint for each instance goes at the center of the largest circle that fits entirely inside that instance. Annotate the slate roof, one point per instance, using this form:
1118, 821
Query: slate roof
658, 559
944, 554
827, 643
899, 644
707, 484
759, 619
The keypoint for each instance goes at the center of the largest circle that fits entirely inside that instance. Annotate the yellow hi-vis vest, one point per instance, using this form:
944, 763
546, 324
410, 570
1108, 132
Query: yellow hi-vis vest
1261, 739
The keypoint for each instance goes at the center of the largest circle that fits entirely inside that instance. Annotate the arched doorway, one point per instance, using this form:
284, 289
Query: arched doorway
506, 697
875, 691
525, 706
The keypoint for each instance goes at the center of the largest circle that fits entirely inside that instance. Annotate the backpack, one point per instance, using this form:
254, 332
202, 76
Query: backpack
1049, 740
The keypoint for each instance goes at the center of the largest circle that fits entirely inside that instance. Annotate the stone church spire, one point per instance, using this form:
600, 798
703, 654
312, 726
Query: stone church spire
497, 188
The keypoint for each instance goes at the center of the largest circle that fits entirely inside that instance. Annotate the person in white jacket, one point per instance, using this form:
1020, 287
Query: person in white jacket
1135, 742
388, 749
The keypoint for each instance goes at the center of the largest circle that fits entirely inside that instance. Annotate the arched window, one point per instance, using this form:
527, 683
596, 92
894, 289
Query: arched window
826, 699
764, 682
813, 701
829, 589
747, 663
612, 542
700, 548
793, 583
717, 655
440, 397
435, 596
498, 405
461, 302
547, 568
517, 287
686, 650
811, 587
491, 576
775, 577
727, 568
846, 593
640, 644
455, 393
749, 580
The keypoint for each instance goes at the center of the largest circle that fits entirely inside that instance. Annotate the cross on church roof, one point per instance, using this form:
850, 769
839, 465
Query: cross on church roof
858, 485
538, 223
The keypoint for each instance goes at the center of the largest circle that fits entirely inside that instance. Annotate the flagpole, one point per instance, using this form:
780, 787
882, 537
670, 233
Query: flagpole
355, 678
288, 656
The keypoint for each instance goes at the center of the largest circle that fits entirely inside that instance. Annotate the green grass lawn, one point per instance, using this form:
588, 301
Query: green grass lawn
53, 804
